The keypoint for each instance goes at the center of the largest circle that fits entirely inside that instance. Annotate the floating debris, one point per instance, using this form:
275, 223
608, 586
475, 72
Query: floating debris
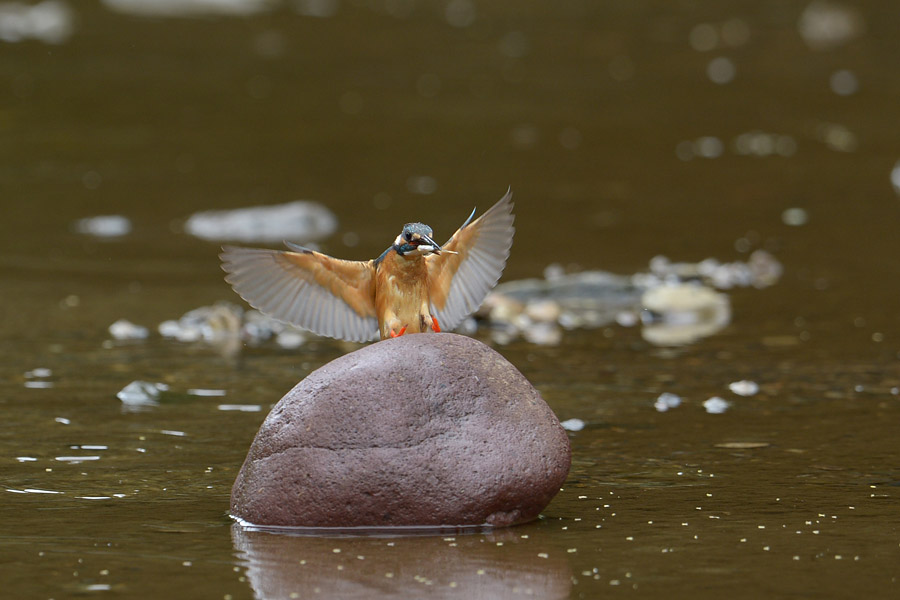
744, 387
666, 401
301, 221
50, 22
573, 424
103, 226
141, 394
124, 329
716, 405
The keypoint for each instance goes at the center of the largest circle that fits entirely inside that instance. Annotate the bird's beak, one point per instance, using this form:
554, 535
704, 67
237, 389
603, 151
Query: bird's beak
426, 245
435, 247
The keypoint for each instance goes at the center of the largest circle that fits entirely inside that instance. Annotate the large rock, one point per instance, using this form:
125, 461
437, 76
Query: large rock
424, 429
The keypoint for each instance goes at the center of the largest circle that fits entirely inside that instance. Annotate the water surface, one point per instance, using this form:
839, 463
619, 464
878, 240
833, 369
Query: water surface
619, 127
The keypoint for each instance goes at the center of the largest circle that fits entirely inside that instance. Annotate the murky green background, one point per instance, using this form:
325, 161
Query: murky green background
600, 115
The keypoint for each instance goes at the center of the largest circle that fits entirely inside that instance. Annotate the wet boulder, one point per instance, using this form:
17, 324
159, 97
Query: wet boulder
420, 430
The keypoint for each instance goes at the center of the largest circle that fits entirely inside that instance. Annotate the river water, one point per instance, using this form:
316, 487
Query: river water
627, 130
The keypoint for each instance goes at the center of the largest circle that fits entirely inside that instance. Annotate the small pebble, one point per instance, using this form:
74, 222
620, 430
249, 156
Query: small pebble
744, 387
126, 330
666, 401
573, 424
103, 226
716, 405
38, 372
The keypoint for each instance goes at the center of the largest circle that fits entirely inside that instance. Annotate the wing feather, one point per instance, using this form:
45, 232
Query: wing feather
458, 283
331, 297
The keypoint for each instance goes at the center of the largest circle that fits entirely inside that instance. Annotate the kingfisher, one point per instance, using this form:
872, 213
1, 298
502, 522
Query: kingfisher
415, 286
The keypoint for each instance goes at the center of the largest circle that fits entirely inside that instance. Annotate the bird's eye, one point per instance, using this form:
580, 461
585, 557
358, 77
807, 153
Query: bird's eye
407, 236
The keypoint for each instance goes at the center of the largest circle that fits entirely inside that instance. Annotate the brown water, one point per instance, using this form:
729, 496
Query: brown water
591, 112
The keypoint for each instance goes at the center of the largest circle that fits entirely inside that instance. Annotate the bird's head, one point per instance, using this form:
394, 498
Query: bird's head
416, 239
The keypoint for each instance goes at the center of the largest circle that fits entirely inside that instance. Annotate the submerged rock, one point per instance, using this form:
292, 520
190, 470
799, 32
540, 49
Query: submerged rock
50, 21
666, 401
422, 430
123, 329
716, 405
227, 326
103, 226
301, 221
676, 302
683, 313
141, 394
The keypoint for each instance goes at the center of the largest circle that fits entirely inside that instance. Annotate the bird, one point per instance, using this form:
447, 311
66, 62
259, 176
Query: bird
415, 286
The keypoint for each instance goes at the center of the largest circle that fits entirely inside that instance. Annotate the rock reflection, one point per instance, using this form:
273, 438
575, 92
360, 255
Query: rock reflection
496, 565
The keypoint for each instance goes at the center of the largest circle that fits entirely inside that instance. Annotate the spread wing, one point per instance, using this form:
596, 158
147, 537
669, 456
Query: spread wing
458, 283
331, 297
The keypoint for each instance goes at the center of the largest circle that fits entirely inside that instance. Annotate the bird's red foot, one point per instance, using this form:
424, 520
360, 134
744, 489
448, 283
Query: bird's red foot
434, 325
402, 331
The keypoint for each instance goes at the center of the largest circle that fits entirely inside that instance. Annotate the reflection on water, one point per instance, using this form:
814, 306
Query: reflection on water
495, 566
